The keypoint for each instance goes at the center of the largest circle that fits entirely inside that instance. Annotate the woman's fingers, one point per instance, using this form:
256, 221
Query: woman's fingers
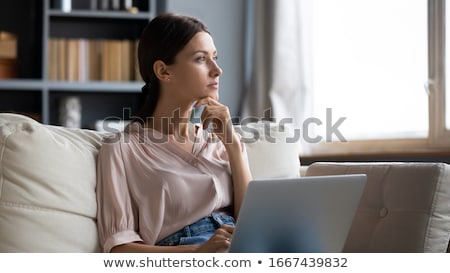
214, 112
220, 241
228, 228
217, 115
226, 232
206, 101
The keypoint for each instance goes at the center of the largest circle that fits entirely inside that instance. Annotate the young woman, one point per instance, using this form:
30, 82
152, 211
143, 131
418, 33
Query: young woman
165, 184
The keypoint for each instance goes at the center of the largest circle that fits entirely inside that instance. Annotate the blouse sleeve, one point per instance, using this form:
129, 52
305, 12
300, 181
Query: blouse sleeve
117, 220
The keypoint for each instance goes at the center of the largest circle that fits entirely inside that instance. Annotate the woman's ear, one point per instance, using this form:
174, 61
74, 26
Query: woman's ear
161, 70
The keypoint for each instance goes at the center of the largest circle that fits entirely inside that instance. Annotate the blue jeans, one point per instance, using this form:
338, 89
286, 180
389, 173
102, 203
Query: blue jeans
198, 232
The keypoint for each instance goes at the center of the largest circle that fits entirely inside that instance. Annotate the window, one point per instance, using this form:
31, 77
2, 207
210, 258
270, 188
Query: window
447, 65
375, 67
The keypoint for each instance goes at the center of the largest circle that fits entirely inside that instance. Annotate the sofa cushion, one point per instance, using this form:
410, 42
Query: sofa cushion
47, 187
405, 207
272, 149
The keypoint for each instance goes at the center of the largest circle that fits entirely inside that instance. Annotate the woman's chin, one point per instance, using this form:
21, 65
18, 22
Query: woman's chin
214, 94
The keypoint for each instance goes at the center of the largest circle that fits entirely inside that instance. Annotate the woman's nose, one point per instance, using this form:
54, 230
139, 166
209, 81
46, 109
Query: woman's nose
216, 70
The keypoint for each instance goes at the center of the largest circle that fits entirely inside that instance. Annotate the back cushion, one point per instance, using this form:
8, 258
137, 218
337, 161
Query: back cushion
47, 187
273, 150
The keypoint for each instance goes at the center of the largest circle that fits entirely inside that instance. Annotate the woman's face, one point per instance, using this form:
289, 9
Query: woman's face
195, 73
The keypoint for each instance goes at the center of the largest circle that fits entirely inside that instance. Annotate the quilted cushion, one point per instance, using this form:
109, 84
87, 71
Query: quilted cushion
405, 206
47, 187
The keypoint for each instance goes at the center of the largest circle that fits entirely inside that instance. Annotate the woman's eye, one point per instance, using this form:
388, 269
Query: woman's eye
201, 59
215, 58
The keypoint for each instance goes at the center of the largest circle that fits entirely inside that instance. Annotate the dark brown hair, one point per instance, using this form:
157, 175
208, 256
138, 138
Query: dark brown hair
162, 39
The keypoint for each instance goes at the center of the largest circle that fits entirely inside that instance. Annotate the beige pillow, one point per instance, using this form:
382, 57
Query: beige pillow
47, 187
272, 149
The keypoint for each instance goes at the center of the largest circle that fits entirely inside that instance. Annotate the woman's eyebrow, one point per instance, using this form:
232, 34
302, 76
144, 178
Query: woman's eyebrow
204, 52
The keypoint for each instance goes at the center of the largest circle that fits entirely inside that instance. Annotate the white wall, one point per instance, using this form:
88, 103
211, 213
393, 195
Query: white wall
225, 21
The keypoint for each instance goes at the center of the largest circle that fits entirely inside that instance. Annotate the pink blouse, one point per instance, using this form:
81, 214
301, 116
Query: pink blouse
148, 187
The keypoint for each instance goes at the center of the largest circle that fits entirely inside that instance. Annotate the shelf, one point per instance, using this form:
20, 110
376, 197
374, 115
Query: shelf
96, 86
85, 87
101, 14
22, 84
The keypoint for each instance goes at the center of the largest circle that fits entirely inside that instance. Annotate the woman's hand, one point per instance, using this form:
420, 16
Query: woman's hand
218, 115
219, 242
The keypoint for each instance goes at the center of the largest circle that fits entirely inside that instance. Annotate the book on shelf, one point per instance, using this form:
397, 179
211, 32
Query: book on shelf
59, 64
115, 4
73, 60
92, 60
8, 55
104, 4
8, 45
131, 6
52, 58
125, 61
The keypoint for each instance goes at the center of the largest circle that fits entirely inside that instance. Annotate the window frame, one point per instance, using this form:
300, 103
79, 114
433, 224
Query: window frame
439, 136
438, 139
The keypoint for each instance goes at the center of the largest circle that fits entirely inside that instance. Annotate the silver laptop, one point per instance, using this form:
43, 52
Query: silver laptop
306, 214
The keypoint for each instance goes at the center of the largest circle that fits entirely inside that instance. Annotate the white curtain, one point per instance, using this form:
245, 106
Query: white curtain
278, 84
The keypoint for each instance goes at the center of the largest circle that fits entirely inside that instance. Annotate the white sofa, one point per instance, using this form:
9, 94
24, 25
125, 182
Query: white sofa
48, 204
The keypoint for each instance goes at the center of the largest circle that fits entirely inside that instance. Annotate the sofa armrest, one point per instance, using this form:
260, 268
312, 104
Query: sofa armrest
47, 187
405, 207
